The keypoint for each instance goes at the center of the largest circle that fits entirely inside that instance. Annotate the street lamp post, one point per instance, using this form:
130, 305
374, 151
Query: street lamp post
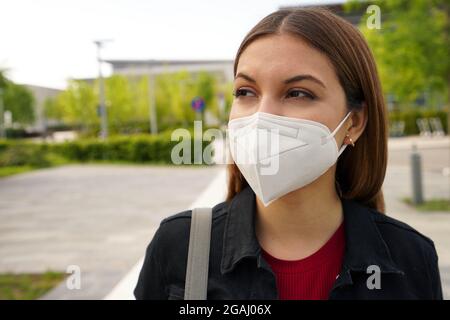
181, 85
152, 104
2, 119
101, 92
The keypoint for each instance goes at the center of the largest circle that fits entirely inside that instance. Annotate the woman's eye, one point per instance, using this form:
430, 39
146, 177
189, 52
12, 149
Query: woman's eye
300, 94
243, 92
291, 94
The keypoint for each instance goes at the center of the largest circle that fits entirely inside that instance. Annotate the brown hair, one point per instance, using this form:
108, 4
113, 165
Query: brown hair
360, 170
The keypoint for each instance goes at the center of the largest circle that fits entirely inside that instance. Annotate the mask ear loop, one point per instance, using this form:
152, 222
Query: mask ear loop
336, 130
340, 124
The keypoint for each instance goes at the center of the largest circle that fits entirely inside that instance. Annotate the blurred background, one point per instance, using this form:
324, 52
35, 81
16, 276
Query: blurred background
91, 91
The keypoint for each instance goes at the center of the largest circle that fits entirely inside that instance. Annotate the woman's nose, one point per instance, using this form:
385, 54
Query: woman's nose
269, 105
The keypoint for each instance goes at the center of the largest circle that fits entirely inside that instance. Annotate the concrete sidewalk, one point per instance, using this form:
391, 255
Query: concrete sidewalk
98, 217
212, 195
435, 225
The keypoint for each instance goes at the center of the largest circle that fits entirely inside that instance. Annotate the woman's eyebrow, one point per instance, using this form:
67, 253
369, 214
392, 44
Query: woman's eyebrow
301, 77
244, 76
296, 78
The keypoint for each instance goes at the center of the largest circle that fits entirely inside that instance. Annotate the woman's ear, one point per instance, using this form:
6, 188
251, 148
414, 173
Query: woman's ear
357, 124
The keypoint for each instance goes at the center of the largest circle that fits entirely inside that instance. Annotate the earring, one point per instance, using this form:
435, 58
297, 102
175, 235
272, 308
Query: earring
351, 141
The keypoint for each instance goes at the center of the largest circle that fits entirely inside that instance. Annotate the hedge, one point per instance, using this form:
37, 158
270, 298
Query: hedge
25, 154
138, 149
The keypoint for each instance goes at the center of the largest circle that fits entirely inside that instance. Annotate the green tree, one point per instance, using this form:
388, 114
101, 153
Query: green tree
52, 110
411, 47
77, 105
2, 78
227, 90
127, 102
119, 102
18, 100
174, 92
206, 88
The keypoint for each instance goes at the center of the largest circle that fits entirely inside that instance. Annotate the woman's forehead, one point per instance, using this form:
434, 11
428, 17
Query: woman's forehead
284, 55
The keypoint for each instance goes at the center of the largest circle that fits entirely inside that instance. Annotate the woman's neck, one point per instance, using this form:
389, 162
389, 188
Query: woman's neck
299, 223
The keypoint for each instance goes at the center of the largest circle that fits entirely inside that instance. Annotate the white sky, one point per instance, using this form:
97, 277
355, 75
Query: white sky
45, 42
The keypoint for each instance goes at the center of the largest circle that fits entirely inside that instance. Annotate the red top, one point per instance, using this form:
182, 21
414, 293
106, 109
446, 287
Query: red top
313, 277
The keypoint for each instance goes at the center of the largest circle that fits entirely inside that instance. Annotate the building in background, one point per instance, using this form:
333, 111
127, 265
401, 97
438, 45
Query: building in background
41, 95
221, 69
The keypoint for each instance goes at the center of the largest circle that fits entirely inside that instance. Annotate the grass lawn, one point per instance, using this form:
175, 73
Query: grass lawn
28, 286
431, 205
9, 171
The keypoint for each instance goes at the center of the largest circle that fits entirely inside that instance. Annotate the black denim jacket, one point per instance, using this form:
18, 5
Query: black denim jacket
407, 260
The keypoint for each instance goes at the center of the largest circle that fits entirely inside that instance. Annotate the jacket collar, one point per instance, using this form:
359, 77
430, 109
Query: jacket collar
364, 243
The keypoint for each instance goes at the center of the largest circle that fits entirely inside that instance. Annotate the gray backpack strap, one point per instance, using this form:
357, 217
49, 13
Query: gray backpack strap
198, 255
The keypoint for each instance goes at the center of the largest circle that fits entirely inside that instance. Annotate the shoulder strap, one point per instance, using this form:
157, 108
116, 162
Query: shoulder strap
198, 255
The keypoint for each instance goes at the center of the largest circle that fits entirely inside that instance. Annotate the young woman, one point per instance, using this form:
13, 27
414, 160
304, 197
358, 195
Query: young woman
312, 226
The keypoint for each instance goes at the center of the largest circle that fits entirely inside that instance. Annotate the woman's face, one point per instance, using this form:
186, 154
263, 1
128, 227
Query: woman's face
283, 75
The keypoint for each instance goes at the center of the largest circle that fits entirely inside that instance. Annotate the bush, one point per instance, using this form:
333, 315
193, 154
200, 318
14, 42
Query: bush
22, 154
136, 148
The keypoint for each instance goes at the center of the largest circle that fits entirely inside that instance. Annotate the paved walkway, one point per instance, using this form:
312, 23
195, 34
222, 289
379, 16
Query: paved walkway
99, 217
435, 225
214, 193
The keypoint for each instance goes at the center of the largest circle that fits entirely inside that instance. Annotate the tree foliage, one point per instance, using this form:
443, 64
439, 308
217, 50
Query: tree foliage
18, 100
128, 101
411, 47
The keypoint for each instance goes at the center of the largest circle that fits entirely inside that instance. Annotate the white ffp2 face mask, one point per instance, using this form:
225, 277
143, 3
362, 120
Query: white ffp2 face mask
278, 154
